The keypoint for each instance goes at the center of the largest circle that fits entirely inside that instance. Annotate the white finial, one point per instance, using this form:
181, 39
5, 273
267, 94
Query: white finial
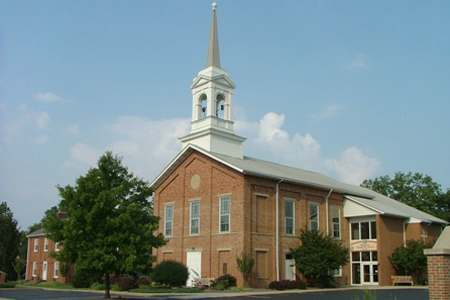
214, 5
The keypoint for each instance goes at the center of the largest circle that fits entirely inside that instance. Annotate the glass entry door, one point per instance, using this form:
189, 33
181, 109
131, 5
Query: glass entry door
369, 273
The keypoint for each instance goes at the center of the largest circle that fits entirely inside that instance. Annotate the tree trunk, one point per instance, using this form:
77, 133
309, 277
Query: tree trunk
107, 286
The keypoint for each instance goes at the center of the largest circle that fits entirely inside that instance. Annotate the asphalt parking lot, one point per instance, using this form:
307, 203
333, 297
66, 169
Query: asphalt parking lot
345, 294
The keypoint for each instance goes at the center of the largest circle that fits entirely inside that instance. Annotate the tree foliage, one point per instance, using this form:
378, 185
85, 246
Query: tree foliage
318, 255
9, 241
416, 190
410, 259
245, 265
108, 223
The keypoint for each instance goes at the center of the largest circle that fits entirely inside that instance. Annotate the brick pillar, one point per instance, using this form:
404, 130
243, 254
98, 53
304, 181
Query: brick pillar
438, 273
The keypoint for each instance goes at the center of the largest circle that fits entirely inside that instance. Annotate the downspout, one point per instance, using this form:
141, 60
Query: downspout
326, 211
277, 246
404, 233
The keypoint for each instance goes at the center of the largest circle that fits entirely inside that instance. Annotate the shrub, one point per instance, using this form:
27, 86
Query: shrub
287, 285
171, 273
97, 286
126, 283
7, 285
410, 259
83, 279
223, 282
245, 265
144, 280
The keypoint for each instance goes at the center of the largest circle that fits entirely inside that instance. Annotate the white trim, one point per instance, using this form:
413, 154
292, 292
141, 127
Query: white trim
197, 218
365, 205
333, 207
310, 203
56, 263
34, 270
57, 246
220, 214
293, 216
45, 244
36, 245
165, 220
261, 195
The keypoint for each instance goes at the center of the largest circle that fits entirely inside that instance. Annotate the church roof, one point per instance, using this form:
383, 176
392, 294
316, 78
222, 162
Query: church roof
270, 170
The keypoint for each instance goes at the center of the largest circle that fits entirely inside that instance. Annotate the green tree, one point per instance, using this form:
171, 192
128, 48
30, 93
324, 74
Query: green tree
318, 255
416, 190
410, 259
171, 273
9, 241
245, 265
107, 224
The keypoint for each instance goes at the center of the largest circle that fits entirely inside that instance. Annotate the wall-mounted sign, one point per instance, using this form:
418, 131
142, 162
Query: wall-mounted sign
364, 245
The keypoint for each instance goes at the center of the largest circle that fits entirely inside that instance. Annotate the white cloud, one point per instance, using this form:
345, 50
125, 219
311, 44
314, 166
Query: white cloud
327, 112
146, 145
82, 156
72, 130
358, 62
22, 118
353, 166
41, 139
49, 97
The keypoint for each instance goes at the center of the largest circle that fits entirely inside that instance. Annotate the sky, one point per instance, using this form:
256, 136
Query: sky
350, 89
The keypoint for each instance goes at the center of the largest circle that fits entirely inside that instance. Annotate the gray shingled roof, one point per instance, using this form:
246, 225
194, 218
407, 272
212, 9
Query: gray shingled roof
39, 232
261, 168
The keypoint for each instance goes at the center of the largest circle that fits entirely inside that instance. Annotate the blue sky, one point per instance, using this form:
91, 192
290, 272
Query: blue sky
351, 89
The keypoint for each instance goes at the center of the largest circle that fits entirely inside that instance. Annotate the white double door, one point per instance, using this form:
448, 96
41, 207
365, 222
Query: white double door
194, 265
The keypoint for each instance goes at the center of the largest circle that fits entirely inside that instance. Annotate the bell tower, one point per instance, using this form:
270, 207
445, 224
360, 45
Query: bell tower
212, 104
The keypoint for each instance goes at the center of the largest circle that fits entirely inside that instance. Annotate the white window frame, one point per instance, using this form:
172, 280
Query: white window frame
36, 244
34, 273
56, 269
192, 218
311, 204
286, 217
338, 273
224, 214
45, 244
168, 220
360, 231
338, 209
57, 244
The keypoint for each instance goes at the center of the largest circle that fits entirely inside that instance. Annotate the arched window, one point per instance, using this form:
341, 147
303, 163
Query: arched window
203, 106
220, 106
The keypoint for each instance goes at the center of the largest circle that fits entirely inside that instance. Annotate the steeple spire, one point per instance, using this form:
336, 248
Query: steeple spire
213, 59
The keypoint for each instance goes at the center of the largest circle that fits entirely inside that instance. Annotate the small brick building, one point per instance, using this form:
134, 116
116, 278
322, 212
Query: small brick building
439, 267
40, 266
216, 203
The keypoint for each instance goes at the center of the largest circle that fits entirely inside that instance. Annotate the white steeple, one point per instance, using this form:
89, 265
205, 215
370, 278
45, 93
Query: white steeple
212, 104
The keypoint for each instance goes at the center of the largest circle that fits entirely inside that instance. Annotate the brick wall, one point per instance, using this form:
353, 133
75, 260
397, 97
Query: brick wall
439, 276
40, 256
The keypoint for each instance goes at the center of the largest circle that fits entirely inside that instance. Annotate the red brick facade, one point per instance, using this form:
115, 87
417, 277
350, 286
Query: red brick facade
439, 276
253, 218
38, 259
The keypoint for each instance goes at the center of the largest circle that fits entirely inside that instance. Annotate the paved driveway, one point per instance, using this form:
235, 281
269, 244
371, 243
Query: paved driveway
381, 294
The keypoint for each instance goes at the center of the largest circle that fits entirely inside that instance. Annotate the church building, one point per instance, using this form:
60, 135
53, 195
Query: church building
215, 203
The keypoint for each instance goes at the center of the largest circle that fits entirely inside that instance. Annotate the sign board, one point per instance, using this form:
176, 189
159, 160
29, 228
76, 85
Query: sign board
363, 245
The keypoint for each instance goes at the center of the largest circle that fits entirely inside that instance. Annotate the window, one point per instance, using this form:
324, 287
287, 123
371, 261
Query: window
56, 269
168, 221
34, 269
36, 244
355, 231
364, 230
289, 208
57, 244
195, 217
46, 244
337, 272
336, 222
224, 214
313, 216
